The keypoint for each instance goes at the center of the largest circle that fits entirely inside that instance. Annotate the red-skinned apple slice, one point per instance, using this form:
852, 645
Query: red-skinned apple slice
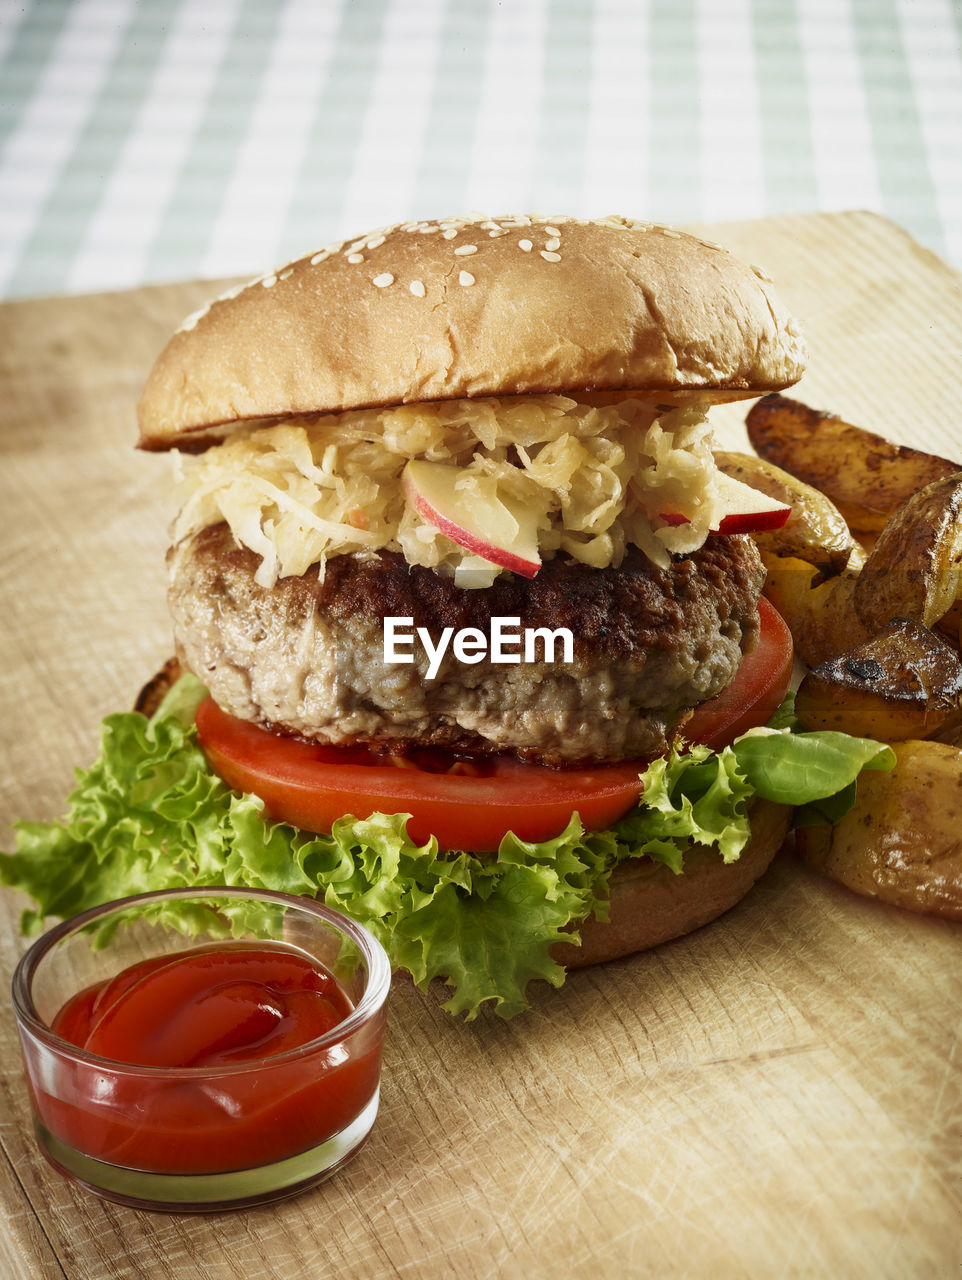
746, 510
495, 528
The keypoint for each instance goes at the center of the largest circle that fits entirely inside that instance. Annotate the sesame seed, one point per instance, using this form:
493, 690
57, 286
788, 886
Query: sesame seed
672, 235
449, 233
383, 280
320, 257
552, 231
526, 245
355, 257
287, 273
373, 244
268, 281
464, 249
417, 288
553, 243
549, 256
500, 231
465, 277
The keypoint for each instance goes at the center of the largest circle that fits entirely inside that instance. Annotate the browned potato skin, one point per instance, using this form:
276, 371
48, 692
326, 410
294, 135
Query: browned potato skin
820, 615
902, 683
864, 474
915, 568
815, 531
902, 842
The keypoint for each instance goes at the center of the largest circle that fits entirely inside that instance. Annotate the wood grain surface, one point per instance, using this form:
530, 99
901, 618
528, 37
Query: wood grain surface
777, 1095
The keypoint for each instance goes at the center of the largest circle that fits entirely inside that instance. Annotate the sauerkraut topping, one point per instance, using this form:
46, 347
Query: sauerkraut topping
599, 476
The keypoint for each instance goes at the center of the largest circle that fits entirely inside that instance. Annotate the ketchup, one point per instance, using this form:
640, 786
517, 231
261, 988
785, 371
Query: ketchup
214, 1008
206, 1007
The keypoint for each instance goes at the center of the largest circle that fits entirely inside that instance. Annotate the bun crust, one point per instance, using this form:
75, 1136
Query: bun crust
650, 904
461, 308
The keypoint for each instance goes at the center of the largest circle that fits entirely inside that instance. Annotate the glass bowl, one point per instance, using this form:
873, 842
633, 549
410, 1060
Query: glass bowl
211, 1137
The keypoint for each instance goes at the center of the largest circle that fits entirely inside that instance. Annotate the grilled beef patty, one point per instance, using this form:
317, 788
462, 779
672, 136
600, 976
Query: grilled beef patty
306, 657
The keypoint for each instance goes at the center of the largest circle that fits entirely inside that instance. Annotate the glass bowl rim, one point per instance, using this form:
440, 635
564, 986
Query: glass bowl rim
375, 993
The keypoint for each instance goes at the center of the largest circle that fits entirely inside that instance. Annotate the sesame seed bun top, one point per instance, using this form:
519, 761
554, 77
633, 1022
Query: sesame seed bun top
473, 307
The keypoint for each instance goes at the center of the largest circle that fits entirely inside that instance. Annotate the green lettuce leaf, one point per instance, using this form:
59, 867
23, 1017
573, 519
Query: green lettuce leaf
149, 814
805, 768
697, 795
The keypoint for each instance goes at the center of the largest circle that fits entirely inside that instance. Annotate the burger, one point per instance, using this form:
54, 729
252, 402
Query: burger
468, 625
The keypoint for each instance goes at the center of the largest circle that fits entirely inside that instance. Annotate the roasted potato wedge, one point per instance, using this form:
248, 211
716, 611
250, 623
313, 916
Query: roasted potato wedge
815, 531
915, 568
902, 683
950, 624
902, 842
865, 475
820, 615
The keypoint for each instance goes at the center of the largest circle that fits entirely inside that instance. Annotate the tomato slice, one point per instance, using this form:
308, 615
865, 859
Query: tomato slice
471, 805
757, 691
312, 786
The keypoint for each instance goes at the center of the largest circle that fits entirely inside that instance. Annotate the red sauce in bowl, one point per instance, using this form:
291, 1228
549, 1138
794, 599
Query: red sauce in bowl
210, 1006
226, 1065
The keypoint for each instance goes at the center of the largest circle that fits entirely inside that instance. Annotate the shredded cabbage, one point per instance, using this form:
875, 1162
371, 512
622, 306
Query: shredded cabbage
598, 475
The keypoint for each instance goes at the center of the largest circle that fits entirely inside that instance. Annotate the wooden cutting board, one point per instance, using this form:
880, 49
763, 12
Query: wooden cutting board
778, 1094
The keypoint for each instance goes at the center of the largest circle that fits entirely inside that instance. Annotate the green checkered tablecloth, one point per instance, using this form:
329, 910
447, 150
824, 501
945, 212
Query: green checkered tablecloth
147, 140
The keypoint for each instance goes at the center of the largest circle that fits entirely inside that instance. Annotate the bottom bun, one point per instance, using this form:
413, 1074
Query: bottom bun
649, 904
157, 688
